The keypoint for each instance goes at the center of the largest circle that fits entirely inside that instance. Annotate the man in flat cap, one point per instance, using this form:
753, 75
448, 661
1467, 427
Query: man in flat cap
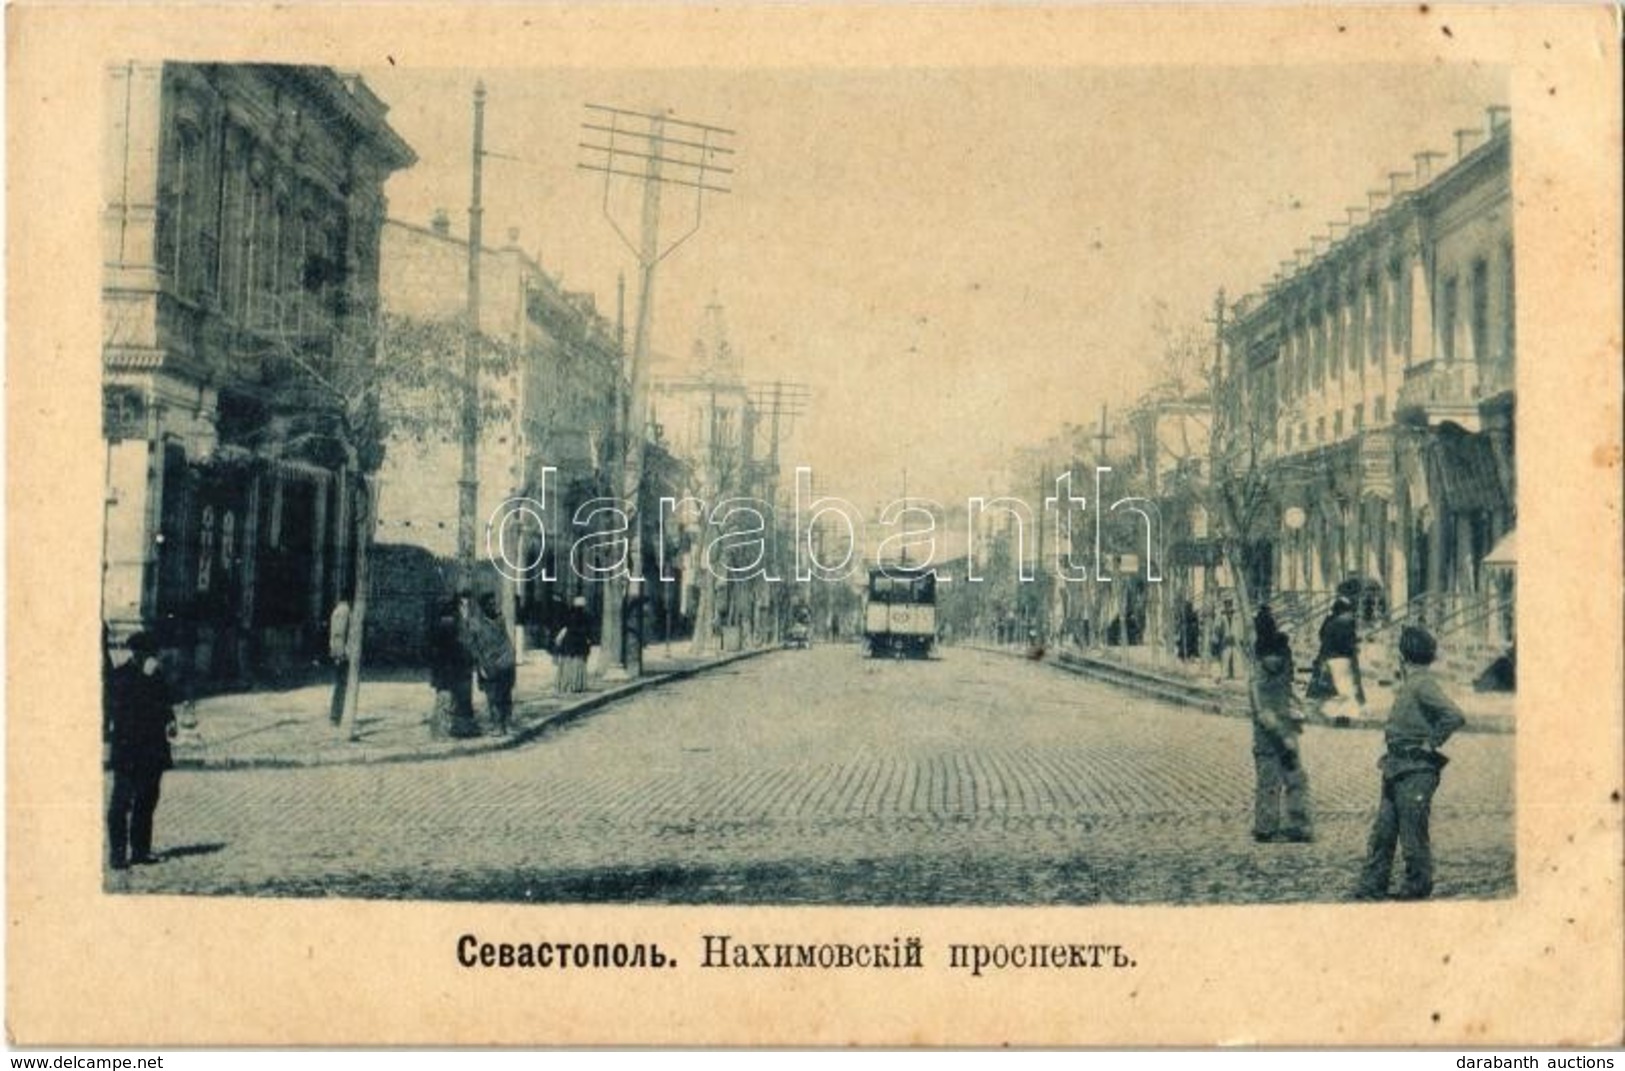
1422, 719
139, 724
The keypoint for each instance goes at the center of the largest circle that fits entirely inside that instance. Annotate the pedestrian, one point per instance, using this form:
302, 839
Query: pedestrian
1340, 657
572, 644
451, 672
139, 723
1264, 622
1224, 641
633, 622
1421, 721
494, 661
338, 652
1281, 795
1190, 632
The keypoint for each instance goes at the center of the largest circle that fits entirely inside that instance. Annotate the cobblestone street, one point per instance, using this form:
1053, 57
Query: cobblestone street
822, 777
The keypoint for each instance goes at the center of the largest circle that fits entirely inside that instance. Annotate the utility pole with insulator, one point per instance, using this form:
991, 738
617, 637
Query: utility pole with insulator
655, 150
468, 485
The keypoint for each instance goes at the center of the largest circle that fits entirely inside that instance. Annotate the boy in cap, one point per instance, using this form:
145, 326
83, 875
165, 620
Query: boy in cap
1422, 719
1282, 785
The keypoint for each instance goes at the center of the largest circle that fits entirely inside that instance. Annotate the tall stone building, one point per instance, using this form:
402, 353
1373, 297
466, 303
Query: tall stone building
241, 215
1381, 361
548, 401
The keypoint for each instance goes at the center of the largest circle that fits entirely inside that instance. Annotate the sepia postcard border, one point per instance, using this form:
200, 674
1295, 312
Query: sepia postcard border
1543, 967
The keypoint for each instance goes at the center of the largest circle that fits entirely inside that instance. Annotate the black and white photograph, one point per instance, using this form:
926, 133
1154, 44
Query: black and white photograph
737, 484
796, 526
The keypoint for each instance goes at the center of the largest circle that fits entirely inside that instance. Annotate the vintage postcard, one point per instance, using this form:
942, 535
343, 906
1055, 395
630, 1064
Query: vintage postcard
814, 525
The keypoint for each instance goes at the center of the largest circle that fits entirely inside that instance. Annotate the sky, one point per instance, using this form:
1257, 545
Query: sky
956, 262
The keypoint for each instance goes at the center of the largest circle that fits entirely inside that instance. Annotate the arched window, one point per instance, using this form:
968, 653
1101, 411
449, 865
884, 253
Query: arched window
178, 206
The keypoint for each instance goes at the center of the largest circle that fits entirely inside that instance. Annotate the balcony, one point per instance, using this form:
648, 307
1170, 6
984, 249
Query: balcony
1437, 391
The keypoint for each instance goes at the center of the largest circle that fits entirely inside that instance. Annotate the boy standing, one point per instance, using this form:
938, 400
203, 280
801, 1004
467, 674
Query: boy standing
1281, 782
1423, 718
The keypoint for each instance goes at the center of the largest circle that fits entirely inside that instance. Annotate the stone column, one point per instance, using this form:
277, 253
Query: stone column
130, 153
1420, 342
1398, 578
127, 531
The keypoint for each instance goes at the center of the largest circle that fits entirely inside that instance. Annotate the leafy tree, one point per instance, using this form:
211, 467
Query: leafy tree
373, 378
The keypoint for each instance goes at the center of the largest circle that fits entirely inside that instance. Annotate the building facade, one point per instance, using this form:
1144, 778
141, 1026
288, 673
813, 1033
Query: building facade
707, 420
551, 381
1380, 363
242, 208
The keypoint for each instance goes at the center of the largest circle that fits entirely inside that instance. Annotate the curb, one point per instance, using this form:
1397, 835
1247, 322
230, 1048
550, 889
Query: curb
1211, 699
456, 749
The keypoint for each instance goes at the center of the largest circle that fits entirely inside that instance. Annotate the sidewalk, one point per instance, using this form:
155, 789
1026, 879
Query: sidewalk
290, 728
1198, 683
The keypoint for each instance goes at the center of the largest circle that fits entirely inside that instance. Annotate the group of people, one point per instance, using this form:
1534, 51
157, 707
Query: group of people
469, 644
472, 643
1422, 719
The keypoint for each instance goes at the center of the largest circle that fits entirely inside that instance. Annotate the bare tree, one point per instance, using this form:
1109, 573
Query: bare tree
1231, 468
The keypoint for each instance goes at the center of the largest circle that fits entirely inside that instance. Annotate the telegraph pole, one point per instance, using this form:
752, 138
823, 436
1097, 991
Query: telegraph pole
1042, 575
1218, 333
468, 486
785, 402
655, 150
1102, 600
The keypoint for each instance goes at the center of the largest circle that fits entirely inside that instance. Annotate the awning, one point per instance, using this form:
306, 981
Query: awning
1464, 473
1505, 551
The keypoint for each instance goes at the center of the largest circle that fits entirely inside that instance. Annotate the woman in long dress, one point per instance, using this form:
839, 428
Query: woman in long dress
572, 644
1340, 654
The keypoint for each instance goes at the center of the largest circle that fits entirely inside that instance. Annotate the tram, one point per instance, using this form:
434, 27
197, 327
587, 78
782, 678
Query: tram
900, 612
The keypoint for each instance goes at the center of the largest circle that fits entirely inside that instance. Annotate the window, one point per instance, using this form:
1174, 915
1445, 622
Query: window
1359, 415
1378, 314
180, 209
1448, 296
233, 234
1509, 333
1379, 409
1320, 429
1335, 353
1317, 353
1399, 312
253, 221
1356, 342
1480, 322
1337, 424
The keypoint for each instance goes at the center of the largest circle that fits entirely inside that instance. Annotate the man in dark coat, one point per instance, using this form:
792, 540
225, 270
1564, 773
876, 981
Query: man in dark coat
451, 671
494, 661
139, 722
